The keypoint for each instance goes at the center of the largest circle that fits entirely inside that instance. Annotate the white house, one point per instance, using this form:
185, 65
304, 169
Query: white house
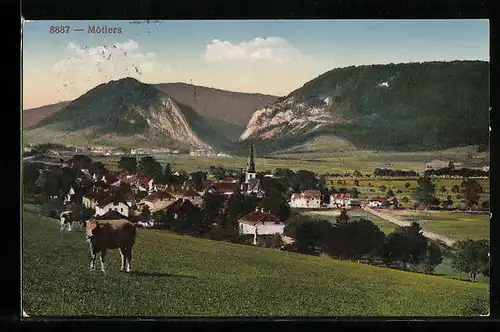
309, 199
260, 223
340, 201
118, 204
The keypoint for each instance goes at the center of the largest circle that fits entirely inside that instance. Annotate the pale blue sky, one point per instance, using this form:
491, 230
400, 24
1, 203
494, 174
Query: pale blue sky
273, 57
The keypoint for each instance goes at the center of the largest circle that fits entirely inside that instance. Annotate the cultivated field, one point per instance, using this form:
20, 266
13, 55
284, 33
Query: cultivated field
455, 225
177, 275
369, 187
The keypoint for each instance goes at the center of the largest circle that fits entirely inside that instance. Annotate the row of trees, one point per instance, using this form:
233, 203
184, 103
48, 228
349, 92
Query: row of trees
405, 248
386, 172
461, 172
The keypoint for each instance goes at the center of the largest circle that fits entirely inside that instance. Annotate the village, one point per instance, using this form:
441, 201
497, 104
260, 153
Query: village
122, 194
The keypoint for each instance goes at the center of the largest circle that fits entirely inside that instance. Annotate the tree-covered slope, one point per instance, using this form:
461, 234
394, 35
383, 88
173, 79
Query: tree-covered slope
414, 106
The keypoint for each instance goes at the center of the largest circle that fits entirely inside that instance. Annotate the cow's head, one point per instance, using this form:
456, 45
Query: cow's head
92, 227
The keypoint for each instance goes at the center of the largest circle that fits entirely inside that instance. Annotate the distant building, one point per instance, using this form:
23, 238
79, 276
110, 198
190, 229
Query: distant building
260, 223
340, 200
157, 200
308, 199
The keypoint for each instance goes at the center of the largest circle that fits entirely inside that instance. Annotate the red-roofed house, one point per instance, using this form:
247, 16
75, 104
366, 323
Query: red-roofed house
260, 223
145, 183
306, 200
340, 200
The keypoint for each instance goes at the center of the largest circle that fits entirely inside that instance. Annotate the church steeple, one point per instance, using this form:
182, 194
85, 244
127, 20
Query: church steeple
251, 162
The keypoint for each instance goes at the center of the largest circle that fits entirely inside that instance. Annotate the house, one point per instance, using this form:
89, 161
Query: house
376, 202
355, 204
260, 223
116, 203
157, 200
110, 215
340, 200
145, 183
191, 195
310, 200
224, 188
180, 207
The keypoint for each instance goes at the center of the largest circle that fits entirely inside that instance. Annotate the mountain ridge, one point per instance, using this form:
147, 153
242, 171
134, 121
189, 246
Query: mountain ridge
398, 107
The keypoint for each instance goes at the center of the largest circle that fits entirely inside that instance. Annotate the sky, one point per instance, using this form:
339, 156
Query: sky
257, 56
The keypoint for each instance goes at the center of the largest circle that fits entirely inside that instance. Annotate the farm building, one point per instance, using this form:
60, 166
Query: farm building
376, 202
157, 200
260, 223
340, 201
309, 199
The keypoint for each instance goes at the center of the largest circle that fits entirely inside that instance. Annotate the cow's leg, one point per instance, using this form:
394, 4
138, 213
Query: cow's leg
128, 259
69, 226
122, 254
103, 258
93, 256
62, 223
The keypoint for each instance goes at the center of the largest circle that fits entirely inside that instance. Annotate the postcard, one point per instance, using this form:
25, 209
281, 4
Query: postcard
257, 168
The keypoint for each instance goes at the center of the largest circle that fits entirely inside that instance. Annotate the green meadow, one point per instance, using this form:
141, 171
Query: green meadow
174, 275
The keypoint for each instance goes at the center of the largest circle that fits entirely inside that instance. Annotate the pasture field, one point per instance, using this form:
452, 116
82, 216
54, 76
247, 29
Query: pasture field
455, 225
363, 161
175, 275
330, 215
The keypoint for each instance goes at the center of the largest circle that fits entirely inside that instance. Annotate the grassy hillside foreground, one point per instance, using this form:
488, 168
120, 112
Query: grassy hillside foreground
183, 276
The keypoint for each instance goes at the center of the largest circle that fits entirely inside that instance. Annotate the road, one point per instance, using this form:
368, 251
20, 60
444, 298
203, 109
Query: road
433, 236
31, 160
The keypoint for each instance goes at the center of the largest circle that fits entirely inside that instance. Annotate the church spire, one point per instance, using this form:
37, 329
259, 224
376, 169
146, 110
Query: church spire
251, 162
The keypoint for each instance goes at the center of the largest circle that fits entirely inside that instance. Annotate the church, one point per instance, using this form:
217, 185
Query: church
251, 183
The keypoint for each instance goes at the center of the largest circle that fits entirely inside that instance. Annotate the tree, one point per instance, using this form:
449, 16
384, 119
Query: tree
354, 193
485, 205
150, 166
167, 174
145, 212
196, 180
382, 188
405, 200
304, 180
406, 245
357, 238
390, 193
443, 189
424, 192
356, 183
455, 189
343, 217
448, 202
433, 258
471, 189
357, 174
212, 204
407, 185
97, 167
472, 257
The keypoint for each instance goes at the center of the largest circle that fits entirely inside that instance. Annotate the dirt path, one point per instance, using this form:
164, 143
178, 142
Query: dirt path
394, 220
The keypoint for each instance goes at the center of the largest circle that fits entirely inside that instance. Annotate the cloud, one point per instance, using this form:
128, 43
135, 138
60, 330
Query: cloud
261, 48
98, 63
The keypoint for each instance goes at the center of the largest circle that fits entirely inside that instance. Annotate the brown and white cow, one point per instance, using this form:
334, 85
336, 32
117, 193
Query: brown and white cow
110, 234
